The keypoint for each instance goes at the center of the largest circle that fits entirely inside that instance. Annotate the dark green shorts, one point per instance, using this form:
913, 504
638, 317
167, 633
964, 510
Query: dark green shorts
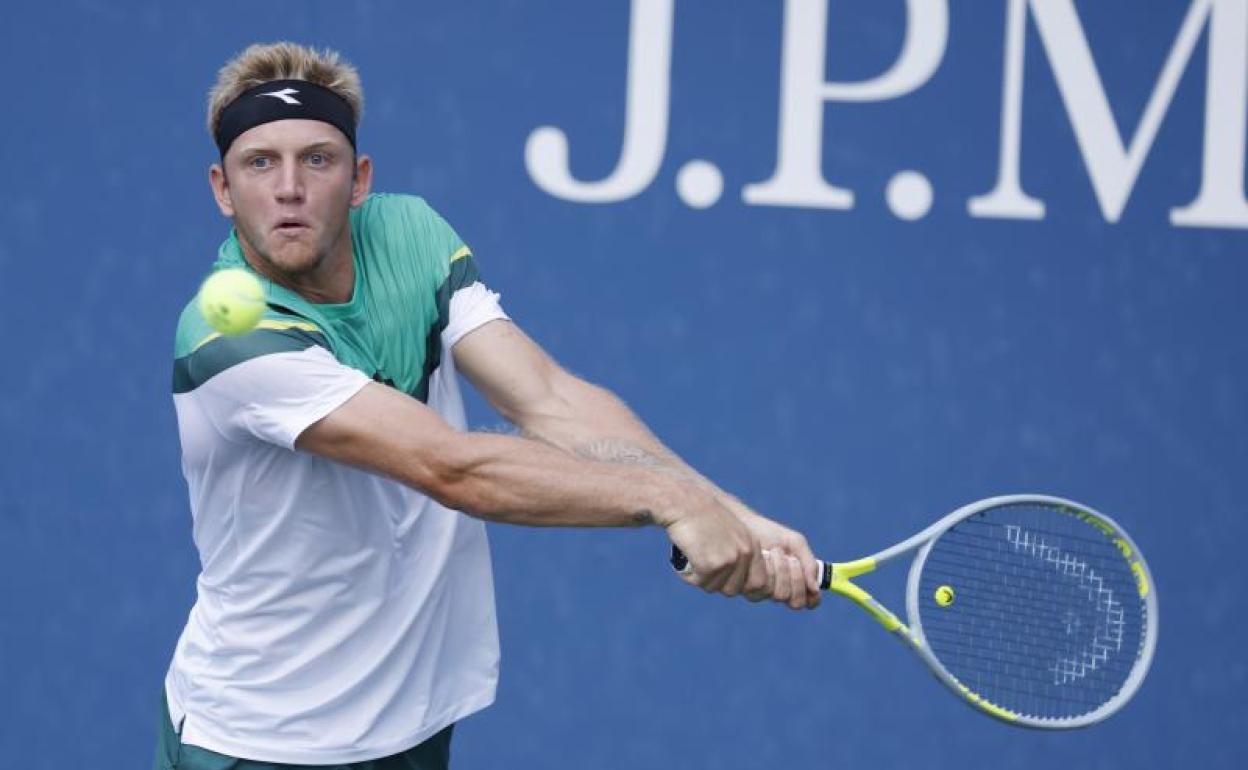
433, 754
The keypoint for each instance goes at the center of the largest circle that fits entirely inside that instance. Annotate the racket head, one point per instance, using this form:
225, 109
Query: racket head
1037, 610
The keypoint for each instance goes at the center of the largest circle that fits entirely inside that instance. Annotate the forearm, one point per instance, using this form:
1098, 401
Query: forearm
501, 478
517, 481
594, 423
724, 541
553, 406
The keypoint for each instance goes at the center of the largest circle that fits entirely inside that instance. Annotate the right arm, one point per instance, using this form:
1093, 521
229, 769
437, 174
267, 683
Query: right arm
519, 481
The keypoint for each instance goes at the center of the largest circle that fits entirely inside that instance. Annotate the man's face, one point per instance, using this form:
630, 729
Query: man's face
289, 185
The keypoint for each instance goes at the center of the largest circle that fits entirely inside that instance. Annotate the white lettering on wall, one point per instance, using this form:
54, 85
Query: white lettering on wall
645, 122
798, 178
1220, 202
1112, 166
1113, 163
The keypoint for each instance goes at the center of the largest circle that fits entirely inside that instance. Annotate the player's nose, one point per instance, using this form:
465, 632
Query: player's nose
290, 185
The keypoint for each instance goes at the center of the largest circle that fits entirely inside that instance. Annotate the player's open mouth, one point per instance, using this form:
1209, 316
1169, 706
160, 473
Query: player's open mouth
291, 226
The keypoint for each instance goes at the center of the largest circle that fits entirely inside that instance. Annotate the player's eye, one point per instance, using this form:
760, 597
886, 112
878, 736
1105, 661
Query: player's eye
317, 159
259, 162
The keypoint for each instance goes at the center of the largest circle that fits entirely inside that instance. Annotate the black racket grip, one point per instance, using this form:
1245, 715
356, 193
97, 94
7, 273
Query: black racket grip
680, 563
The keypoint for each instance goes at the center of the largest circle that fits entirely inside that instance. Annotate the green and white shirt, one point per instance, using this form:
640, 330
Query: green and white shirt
340, 616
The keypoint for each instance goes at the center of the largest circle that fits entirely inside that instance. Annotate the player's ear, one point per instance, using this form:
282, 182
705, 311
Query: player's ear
361, 180
220, 189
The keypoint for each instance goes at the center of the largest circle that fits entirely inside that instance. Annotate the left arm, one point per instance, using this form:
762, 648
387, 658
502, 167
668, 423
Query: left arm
546, 402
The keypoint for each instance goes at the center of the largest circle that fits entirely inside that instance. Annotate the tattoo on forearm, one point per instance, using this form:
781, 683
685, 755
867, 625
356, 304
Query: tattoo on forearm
626, 453
622, 452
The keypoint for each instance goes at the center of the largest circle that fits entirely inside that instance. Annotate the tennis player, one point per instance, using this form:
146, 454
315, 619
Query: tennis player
345, 608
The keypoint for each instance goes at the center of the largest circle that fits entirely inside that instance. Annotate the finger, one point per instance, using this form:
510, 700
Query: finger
810, 566
740, 572
784, 578
759, 593
705, 570
812, 570
798, 581
761, 574
753, 566
727, 575
691, 577
715, 579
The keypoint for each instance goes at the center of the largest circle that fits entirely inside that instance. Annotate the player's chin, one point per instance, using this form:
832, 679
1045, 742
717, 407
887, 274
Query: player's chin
294, 256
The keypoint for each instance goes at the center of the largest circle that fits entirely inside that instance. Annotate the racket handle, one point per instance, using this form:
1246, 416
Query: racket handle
681, 564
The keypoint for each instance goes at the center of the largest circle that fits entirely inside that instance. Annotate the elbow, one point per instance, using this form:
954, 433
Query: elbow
450, 476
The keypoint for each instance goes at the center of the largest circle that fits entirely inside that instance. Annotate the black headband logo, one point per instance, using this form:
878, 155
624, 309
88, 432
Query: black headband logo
285, 95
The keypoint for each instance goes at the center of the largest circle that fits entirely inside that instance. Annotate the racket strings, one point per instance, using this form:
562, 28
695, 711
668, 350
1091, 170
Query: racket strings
1047, 620
1009, 611
960, 549
986, 530
1025, 586
1035, 630
1022, 655
987, 597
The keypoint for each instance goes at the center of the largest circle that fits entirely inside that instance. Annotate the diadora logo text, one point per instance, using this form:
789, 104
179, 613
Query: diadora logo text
1112, 161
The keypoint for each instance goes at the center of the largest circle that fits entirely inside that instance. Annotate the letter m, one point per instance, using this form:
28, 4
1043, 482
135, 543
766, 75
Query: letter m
1113, 166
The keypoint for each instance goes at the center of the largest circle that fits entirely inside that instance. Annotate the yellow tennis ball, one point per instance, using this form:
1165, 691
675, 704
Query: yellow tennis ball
944, 596
232, 301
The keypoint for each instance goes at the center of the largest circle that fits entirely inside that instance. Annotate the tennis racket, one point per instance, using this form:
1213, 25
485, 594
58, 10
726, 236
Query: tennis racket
1035, 610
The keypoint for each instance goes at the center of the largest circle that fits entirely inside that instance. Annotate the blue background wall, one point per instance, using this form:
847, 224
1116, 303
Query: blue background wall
845, 371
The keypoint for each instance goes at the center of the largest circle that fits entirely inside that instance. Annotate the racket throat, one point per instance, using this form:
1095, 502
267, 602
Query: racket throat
836, 578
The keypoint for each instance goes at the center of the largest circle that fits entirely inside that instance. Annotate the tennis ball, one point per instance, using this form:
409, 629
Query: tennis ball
944, 596
232, 301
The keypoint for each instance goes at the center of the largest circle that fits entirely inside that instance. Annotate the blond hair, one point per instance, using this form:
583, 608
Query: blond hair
265, 62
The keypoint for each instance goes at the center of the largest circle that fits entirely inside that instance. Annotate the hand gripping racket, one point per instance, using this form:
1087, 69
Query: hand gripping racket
1036, 610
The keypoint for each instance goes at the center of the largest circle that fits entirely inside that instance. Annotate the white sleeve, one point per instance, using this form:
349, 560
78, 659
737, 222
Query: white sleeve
471, 307
275, 397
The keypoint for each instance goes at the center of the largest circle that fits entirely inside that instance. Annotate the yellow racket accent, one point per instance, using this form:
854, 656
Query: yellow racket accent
1095, 521
986, 705
840, 584
852, 569
1141, 578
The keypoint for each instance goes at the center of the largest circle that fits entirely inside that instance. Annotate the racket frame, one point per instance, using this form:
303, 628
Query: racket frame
836, 577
